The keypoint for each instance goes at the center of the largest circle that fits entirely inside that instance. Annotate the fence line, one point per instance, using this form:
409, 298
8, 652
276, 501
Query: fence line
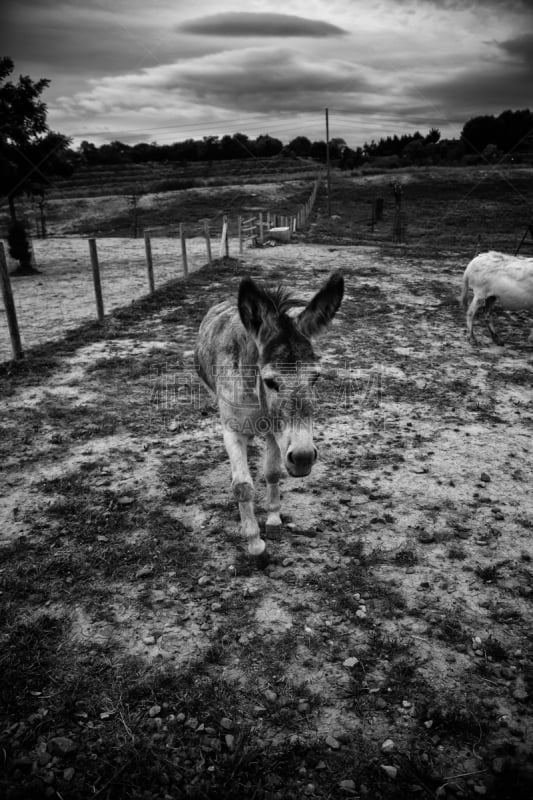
275, 226
254, 229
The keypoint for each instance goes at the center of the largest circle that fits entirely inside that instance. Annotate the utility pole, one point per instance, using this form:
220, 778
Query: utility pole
327, 163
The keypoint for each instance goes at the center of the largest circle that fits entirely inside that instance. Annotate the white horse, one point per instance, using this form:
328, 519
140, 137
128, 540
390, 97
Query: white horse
256, 355
496, 277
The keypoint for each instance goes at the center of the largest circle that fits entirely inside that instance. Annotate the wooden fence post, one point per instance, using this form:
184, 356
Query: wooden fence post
224, 245
184, 251
399, 226
207, 242
149, 261
239, 230
96, 280
9, 304
261, 238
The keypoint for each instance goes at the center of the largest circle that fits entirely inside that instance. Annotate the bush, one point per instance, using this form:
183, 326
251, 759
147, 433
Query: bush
19, 246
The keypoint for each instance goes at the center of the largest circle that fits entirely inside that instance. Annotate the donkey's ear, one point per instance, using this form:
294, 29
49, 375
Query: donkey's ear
254, 305
322, 308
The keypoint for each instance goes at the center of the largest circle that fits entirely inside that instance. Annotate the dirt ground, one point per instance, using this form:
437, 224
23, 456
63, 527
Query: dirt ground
396, 612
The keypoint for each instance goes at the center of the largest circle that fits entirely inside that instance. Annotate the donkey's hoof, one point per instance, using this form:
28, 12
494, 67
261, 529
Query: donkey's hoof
273, 532
262, 560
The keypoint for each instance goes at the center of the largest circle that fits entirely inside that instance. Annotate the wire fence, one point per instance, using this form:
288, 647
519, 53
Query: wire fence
82, 279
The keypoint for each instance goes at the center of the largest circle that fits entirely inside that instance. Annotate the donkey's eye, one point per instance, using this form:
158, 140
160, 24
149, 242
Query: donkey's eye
271, 383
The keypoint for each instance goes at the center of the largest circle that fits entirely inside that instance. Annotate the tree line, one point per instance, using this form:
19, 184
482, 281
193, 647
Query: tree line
32, 156
484, 138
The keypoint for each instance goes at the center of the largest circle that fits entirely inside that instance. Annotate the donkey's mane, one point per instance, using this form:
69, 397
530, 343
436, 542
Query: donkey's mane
282, 299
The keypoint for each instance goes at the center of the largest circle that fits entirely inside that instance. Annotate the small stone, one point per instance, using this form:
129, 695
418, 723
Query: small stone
61, 746
226, 723
388, 746
154, 711
230, 741
69, 773
270, 696
360, 613
389, 770
351, 662
143, 572
125, 500
149, 639
425, 537
347, 786
192, 723
498, 764
485, 477
204, 580
333, 743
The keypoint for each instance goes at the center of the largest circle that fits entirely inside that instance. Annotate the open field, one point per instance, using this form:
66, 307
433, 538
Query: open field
385, 653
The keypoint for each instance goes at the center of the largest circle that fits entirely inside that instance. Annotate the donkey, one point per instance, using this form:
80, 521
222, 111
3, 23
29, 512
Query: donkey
257, 357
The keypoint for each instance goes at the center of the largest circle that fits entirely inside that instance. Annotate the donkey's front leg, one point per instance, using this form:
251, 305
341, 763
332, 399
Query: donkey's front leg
243, 488
273, 471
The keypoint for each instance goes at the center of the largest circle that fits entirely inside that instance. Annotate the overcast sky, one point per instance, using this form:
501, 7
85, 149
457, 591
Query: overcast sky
152, 70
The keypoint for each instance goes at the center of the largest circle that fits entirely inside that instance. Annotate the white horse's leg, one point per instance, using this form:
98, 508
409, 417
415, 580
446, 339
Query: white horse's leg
243, 488
489, 305
470, 314
273, 469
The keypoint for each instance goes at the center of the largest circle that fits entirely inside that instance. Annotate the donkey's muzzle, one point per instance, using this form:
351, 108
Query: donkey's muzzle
299, 461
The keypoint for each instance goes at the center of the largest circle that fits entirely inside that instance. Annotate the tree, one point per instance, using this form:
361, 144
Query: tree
300, 146
478, 132
30, 153
433, 136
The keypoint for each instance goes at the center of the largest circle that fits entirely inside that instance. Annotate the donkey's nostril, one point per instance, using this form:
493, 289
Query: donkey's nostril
290, 458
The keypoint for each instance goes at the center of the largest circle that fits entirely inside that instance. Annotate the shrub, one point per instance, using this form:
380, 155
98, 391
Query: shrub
19, 246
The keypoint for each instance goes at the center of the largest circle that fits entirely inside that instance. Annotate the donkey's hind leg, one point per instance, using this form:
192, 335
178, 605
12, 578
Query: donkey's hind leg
272, 475
243, 488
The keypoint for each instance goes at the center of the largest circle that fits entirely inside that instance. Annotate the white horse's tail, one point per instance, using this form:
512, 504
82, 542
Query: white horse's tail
464, 291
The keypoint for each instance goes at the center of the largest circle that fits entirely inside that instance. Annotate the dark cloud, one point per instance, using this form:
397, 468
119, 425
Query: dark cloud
270, 78
236, 23
518, 6
74, 37
487, 91
520, 48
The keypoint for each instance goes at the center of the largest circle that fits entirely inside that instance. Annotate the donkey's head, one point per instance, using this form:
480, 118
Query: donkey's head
288, 365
